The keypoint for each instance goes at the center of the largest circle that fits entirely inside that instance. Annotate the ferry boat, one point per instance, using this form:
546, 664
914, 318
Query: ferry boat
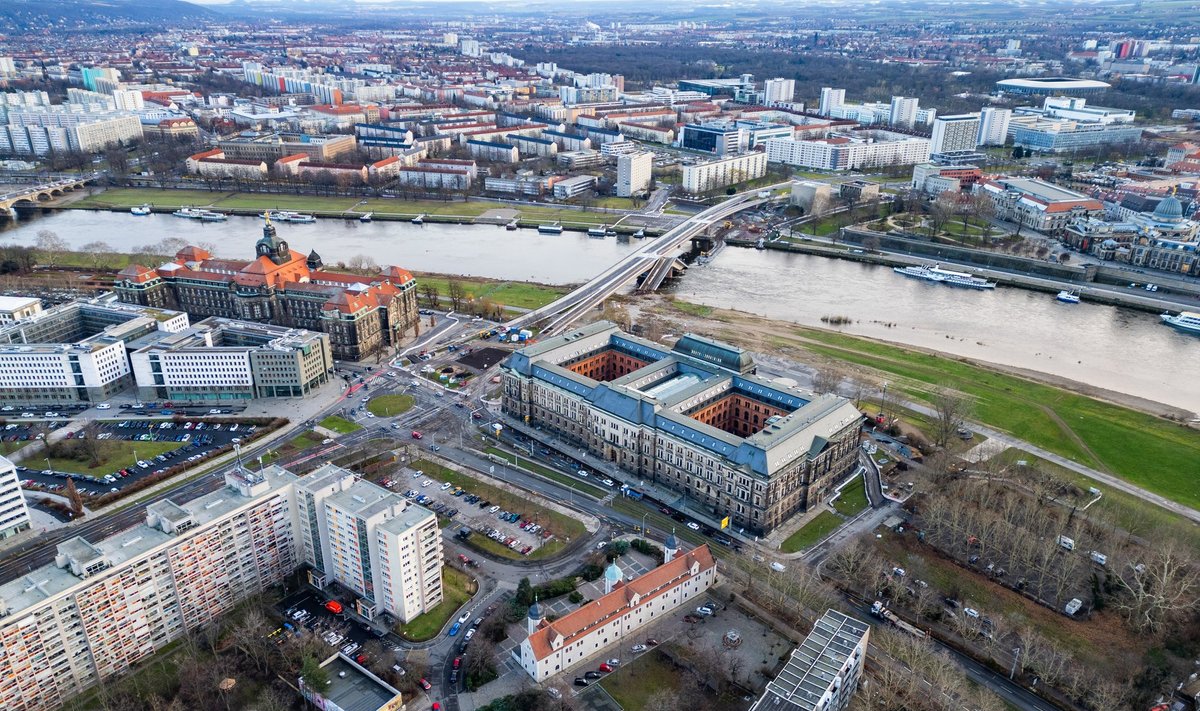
140, 211
209, 216
1186, 321
189, 213
288, 216
935, 273
365, 217
554, 229
418, 220
1068, 297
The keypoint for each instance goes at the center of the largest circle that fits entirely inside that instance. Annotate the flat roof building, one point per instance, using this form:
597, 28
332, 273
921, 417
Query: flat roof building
1052, 86
14, 515
823, 672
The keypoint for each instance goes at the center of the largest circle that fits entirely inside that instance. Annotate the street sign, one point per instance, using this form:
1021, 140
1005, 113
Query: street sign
725, 522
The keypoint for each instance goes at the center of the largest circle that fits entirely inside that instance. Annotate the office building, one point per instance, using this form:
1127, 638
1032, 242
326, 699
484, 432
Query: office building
77, 352
16, 308
903, 111
362, 315
713, 175
723, 138
371, 541
614, 618
352, 687
270, 147
1077, 109
934, 179
14, 515
573, 187
778, 91
634, 171
823, 672
106, 605
222, 359
954, 140
715, 87
854, 150
993, 126
693, 418
831, 99
1037, 204
1063, 136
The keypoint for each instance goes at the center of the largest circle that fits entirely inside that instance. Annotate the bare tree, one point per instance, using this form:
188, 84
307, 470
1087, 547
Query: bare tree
950, 410
74, 498
1160, 588
99, 253
431, 293
826, 380
50, 246
458, 294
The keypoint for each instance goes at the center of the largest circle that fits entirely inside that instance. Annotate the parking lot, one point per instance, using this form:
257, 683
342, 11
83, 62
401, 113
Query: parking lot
308, 609
469, 510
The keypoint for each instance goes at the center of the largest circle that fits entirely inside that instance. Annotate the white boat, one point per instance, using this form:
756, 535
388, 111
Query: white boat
288, 216
418, 220
945, 276
140, 211
640, 233
190, 213
598, 231
1068, 297
365, 217
209, 216
554, 229
1186, 321
512, 225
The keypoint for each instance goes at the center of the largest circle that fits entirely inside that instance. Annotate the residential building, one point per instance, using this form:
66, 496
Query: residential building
177, 128
634, 171
574, 160
954, 140
14, 515
106, 605
614, 618
16, 308
213, 167
831, 99
339, 173
434, 178
1037, 204
494, 151
778, 91
993, 126
362, 314
221, 359
693, 418
572, 187
823, 672
48, 129
713, 175
903, 111
371, 541
853, 150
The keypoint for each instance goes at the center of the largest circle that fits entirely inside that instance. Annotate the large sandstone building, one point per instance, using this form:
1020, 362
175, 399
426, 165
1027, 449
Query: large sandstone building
362, 314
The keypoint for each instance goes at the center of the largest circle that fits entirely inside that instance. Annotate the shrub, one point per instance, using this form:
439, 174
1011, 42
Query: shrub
575, 597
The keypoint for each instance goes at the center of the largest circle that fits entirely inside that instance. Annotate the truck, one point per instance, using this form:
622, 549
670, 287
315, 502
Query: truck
1066, 543
878, 609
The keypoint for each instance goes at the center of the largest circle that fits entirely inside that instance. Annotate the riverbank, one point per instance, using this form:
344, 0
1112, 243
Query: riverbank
1146, 444
1094, 293
349, 208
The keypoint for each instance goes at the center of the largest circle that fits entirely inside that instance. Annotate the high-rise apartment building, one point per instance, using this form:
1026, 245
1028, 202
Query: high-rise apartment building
993, 126
904, 111
778, 90
14, 515
831, 99
633, 173
952, 134
823, 672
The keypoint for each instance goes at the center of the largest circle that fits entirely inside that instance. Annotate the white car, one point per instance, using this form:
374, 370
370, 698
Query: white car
327, 441
638, 648
445, 486
704, 610
104, 406
607, 482
693, 525
427, 482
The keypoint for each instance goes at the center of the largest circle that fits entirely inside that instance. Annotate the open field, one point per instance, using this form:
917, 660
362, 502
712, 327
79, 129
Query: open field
457, 588
564, 527
812, 532
340, 425
525, 463
853, 499
114, 454
390, 405
632, 684
518, 294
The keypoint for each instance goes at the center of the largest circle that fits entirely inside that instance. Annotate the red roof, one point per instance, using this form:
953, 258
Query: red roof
137, 273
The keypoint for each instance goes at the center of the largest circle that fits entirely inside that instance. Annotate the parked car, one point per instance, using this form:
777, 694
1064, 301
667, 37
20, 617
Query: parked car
580, 681
638, 648
425, 684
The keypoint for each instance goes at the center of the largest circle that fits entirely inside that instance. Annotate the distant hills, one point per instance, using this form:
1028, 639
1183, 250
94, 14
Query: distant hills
33, 15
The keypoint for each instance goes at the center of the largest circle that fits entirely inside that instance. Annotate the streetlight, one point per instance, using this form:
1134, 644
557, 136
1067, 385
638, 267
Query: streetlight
644, 525
1016, 656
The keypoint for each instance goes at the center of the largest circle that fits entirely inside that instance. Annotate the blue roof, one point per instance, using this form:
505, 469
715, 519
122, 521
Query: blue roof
490, 144
528, 139
564, 134
549, 376
604, 131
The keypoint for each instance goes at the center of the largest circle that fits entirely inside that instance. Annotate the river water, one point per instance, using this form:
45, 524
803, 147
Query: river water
1117, 349
471, 250
1108, 347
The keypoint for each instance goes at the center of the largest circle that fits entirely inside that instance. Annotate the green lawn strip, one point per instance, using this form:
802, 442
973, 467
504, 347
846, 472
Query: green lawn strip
390, 405
521, 295
812, 532
689, 308
305, 440
853, 499
562, 525
7, 448
114, 455
456, 590
130, 197
633, 684
526, 463
340, 425
1143, 449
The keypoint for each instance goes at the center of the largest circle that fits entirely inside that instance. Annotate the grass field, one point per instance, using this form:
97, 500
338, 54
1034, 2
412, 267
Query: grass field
1145, 450
7, 448
565, 528
340, 425
853, 499
521, 295
812, 532
114, 454
457, 588
305, 440
632, 684
390, 405
525, 463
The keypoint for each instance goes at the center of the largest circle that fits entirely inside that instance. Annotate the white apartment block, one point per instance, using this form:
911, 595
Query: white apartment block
634, 171
853, 151
104, 606
831, 99
371, 541
87, 132
993, 125
16, 308
954, 134
903, 111
823, 672
777, 91
14, 516
717, 174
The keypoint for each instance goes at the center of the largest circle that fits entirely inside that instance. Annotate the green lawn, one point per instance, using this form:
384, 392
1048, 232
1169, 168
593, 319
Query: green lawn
7, 448
853, 499
457, 588
340, 425
306, 440
1143, 449
689, 308
565, 528
518, 294
526, 463
633, 683
390, 405
114, 454
812, 532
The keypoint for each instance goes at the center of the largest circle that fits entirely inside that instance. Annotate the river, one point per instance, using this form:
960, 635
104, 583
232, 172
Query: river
1108, 347
470, 250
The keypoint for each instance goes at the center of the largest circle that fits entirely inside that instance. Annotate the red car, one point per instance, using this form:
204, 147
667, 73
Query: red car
417, 435
457, 662
425, 685
606, 668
